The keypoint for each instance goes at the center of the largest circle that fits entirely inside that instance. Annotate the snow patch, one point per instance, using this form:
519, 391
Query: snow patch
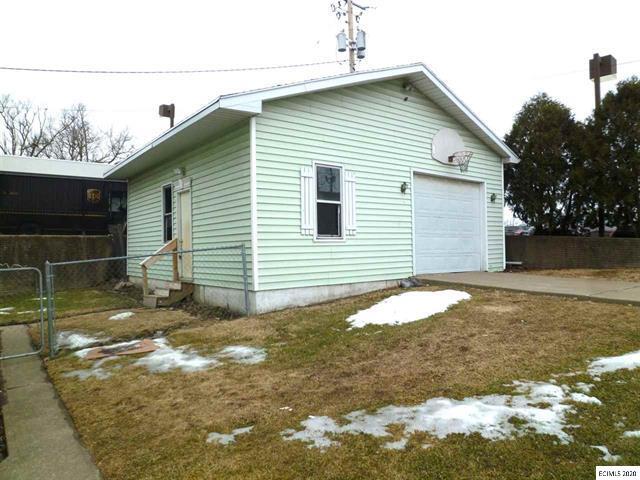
168, 358
7, 309
227, 438
606, 455
121, 316
584, 387
315, 432
538, 407
602, 365
242, 354
74, 340
490, 416
582, 398
407, 307
398, 445
96, 371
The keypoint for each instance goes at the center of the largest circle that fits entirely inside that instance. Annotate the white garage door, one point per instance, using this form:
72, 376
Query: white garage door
448, 225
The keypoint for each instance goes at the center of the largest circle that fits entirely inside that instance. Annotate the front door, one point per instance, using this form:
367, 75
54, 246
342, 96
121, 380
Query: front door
184, 234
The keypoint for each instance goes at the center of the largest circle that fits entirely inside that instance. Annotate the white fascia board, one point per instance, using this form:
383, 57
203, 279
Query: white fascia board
510, 157
367, 77
166, 135
253, 106
311, 86
251, 102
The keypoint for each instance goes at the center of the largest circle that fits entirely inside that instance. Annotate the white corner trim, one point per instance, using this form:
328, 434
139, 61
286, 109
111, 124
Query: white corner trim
255, 271
504, 239
412, 172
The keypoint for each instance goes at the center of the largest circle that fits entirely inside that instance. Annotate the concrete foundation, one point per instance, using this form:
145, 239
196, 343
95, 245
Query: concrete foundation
270, 300
264, 301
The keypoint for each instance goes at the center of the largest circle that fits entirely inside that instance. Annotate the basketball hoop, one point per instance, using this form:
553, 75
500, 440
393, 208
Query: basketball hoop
462, 159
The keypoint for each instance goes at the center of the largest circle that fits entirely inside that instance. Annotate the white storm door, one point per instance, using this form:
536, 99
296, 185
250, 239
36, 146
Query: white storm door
184, 233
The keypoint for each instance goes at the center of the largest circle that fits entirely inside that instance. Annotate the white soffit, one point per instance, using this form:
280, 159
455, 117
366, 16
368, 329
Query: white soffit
228, 110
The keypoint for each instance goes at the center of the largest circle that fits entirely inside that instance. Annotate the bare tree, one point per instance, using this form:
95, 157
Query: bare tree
30, 131
25, 129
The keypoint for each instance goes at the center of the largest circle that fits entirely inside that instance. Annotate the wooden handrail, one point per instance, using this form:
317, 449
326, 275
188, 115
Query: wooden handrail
170, 246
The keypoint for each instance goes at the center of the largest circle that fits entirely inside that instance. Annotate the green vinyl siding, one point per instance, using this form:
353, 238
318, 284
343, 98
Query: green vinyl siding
370, 130
221, 209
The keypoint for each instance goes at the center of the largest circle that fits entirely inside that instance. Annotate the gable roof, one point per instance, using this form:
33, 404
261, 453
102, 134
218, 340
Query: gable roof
227, 110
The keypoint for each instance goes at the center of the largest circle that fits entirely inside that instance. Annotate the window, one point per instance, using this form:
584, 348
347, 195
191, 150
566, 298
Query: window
167, 213
329, 201
118, 202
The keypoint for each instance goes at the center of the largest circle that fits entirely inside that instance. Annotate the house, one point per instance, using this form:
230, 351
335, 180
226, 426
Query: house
337, 186
51, 196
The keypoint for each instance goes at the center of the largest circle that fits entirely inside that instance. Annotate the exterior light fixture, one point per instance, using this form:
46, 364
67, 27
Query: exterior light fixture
168, 111
403, 187
493, 197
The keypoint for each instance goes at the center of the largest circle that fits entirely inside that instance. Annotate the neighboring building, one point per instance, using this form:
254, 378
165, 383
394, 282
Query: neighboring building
333, 185
61, 197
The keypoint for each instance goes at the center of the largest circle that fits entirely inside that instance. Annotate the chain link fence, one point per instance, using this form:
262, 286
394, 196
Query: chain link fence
21, 301
157, 279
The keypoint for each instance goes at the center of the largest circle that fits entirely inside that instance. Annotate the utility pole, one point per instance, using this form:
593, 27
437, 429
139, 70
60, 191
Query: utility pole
352, 52
352, 41
600, 67
594, 67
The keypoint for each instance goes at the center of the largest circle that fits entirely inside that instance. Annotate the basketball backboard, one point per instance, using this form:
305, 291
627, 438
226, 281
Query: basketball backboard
445, 143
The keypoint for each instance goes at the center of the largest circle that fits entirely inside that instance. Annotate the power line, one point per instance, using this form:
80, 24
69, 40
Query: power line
164, 72
581, 70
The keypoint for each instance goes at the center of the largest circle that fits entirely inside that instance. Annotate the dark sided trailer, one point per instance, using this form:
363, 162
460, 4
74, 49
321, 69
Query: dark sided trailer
54, 205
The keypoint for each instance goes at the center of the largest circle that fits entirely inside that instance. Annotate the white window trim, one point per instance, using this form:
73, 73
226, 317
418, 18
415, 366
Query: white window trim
320, 238
162, 214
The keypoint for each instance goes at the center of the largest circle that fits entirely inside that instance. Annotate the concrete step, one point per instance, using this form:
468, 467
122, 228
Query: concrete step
150, 301
163, 292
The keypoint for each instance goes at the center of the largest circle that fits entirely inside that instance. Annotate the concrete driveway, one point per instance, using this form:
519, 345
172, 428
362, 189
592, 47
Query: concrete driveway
613, 291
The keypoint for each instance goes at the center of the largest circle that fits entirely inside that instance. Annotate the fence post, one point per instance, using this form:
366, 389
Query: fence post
245, 279
51, 329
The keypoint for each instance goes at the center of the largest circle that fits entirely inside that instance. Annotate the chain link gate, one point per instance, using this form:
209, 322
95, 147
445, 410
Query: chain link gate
22, 300
72, 285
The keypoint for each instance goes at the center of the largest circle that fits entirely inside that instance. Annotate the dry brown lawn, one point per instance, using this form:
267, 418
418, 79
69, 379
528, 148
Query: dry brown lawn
624, 274
140, 425
144, 323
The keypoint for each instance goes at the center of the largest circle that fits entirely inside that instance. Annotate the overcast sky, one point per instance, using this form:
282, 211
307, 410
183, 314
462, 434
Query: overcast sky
492, 54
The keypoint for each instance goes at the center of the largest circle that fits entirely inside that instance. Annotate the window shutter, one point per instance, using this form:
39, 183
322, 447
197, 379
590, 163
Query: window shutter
350, 203
306, 201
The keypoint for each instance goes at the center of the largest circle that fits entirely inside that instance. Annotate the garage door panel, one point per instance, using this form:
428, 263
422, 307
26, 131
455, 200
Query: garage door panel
447, 223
